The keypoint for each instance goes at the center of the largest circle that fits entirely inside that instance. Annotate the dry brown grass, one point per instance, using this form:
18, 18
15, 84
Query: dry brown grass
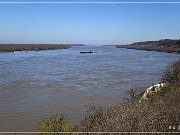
156, 115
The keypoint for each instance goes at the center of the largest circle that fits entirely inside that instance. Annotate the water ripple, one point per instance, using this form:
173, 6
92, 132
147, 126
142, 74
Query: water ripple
37, 83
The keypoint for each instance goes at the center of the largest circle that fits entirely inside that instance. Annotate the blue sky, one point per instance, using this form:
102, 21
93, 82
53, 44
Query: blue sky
88, 23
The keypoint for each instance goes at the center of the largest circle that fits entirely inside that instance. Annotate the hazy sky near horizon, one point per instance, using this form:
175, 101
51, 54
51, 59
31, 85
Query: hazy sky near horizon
88, 23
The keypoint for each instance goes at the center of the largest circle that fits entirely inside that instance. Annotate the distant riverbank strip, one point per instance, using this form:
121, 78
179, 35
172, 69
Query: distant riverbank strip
165, 45
31, 47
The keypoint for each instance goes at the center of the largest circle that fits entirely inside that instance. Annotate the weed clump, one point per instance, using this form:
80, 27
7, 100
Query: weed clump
56, 123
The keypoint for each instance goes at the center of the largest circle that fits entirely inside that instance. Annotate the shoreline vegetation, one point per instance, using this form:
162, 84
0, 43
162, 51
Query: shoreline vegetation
160, 113
164, 45
31, 47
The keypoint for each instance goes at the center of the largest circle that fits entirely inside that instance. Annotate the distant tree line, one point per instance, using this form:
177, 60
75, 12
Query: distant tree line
163, 45
31, 47
162, 42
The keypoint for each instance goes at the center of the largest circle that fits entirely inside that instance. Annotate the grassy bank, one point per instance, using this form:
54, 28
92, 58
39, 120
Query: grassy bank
31, 47
166, 45
159, 114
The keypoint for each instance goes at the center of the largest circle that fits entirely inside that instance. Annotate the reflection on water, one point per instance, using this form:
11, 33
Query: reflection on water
38, 83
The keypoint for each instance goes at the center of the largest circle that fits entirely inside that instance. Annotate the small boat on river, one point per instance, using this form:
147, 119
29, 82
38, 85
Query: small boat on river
87, 52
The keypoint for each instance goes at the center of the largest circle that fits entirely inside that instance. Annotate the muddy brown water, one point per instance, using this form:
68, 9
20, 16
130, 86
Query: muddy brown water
36, 84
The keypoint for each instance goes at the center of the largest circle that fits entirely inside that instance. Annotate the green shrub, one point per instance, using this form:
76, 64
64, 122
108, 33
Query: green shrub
56, 123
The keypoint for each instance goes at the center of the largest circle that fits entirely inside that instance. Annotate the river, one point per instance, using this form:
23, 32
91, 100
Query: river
36, 84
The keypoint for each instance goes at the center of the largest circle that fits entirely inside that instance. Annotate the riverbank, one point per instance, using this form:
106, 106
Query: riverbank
31, 47
160, 113
166, 45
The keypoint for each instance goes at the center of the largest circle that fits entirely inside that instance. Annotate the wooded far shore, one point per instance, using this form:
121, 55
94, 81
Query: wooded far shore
164, 45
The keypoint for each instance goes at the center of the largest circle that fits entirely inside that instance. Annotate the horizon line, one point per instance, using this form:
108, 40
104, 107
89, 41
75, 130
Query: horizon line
95, 2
